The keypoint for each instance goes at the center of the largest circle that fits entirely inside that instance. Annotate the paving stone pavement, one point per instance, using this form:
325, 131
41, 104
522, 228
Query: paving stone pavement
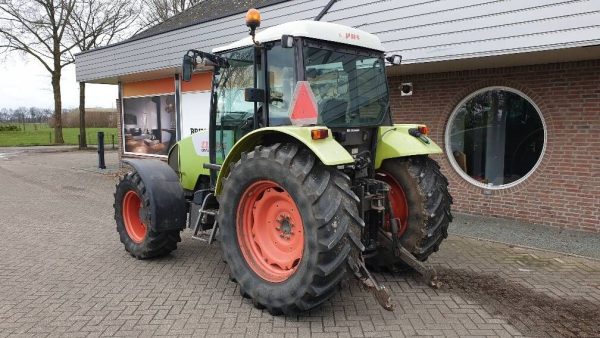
63, 272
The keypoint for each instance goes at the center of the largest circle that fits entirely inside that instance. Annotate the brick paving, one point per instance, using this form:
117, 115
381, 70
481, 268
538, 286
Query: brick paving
63, 272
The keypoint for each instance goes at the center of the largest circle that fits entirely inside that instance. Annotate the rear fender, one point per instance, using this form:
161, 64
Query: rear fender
168, 209
395, 141
328, 150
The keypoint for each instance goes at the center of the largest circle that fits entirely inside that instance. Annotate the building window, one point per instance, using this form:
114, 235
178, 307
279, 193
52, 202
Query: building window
496, 137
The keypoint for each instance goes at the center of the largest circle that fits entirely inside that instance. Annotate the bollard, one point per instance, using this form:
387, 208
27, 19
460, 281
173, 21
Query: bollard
113, 141
50, 138
101, 163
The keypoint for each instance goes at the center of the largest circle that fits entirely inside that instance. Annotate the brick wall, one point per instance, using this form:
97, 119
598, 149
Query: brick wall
565, 189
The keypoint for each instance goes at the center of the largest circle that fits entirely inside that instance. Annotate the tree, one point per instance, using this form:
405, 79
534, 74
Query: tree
96, 23
37, 28
157, 11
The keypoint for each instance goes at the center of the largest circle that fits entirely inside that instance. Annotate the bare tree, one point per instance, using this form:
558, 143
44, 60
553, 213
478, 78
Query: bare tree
97, 23
37, 28
157, 11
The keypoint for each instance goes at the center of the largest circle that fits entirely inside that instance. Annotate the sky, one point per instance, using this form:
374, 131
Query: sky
25, 82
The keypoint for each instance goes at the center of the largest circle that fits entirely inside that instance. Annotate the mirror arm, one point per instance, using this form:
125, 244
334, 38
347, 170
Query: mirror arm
218, 61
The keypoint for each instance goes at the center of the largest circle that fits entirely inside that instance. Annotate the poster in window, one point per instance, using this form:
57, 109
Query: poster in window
149, 124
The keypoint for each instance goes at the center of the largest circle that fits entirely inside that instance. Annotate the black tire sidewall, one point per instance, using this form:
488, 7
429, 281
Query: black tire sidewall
126, 185
399, 170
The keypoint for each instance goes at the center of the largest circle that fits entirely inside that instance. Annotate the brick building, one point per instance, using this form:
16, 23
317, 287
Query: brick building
510, 90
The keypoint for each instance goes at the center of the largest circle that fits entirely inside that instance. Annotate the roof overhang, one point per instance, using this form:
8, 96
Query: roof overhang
498, 61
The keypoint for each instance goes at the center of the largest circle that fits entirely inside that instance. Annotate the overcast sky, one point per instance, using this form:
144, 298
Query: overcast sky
25, 82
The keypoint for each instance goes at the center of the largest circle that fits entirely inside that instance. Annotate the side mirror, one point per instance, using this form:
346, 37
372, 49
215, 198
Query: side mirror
394, 59
254, 95
287, 41
189, 63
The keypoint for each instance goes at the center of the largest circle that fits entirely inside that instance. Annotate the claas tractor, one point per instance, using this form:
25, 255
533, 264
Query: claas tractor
301, 177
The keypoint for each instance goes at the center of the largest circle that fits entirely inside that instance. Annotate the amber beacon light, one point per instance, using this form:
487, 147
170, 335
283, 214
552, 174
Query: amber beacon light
253, 18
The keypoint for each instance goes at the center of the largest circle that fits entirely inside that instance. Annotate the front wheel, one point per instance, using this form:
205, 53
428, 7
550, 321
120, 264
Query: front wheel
132, 216
287, 225
420, 200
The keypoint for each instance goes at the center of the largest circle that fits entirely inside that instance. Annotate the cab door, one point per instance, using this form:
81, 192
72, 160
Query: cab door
234, 115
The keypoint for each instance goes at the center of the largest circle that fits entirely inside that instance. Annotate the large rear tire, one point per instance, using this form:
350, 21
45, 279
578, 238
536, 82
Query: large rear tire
287, 224
132, 216
421, 201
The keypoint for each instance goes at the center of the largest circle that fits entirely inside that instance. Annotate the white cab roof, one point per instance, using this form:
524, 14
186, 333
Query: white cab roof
311, 29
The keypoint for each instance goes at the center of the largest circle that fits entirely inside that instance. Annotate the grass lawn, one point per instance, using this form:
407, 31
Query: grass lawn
41, 135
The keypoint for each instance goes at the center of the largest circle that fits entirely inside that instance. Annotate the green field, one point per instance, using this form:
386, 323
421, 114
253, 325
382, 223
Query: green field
42, 135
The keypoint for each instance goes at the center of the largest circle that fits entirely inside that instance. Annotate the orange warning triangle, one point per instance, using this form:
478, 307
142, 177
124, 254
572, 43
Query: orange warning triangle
304, 105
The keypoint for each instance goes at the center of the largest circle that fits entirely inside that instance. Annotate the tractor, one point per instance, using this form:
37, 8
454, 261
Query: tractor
301, 176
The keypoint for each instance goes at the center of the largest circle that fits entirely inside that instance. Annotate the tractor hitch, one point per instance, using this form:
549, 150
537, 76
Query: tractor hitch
367, 280
427, 271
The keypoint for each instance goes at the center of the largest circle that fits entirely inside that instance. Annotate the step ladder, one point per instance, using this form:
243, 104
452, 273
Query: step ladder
205, 212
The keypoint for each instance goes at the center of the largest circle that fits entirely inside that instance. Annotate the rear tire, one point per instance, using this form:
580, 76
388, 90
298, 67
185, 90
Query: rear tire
326, 214
428, 215
132, 217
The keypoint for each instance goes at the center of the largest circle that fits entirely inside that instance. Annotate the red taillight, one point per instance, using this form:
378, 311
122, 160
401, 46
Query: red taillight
424, 130
319, 134
304, 105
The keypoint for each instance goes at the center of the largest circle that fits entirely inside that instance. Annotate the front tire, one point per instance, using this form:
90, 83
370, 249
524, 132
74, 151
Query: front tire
132, 217
288, 224
421, 201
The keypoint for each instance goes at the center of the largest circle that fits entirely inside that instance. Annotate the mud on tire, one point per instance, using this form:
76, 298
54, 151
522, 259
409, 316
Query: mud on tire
143, 244
428, 201
332, 227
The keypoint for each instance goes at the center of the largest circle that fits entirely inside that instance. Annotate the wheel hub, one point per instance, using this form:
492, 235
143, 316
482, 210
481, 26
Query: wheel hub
270, 231
133, 212
398, 203
285, 226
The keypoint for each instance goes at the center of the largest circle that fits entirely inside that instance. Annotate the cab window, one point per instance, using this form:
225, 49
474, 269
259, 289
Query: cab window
281, 76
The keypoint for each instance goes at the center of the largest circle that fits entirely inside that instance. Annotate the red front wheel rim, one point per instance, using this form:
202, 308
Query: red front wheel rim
398, 203
136, 229
270, 231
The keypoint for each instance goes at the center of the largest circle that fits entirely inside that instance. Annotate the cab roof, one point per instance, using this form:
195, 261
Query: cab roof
311, 29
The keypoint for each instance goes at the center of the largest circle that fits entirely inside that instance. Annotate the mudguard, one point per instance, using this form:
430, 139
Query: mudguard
395, 141
328, 150
168, 209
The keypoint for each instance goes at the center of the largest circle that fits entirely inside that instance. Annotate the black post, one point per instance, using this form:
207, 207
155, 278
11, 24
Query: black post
101, 163
113, 141
79, 141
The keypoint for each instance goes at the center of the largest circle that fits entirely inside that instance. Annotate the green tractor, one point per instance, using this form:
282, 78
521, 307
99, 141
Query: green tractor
302, 176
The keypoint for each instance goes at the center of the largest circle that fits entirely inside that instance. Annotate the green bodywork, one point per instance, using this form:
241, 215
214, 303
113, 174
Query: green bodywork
328, 150
393, 141
190, 163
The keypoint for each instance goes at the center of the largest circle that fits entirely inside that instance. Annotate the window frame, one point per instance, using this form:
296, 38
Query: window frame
448, 148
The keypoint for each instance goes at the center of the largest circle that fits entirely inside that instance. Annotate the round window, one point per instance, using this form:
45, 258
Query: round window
496, 137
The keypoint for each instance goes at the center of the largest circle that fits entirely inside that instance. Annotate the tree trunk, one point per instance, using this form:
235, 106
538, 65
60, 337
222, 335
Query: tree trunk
82, 139
58, 135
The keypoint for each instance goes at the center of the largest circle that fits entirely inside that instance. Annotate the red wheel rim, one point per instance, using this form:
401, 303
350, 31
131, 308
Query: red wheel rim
398, 203
136, 229
270, 231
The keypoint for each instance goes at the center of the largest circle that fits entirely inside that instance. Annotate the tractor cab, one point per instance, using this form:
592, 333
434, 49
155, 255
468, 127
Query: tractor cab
300, 73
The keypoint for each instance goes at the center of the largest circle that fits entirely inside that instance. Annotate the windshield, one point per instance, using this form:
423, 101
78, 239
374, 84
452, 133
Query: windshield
351, 89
